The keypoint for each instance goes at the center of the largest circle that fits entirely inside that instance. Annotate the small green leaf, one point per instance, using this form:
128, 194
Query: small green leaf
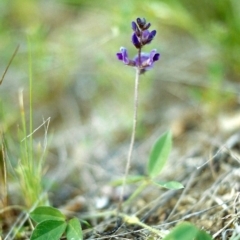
129, 180
173, 185
46, 213
187, 231
202, 235
159, 154
85, 222
74, 230
49, 230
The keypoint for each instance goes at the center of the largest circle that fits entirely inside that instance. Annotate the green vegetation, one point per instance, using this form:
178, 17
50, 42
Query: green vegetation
65, 84
52, 224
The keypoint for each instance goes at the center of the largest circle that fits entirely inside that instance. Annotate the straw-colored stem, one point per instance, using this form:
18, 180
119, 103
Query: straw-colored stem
4, 170
25, 158
130, 219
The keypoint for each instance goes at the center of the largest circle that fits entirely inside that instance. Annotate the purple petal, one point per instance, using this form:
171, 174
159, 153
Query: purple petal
144, 58
153, 34
147, 59
150, 37
136, 29
134, 26
135, 41
123, 56
145, 34
156, 57
119, 56
152, 54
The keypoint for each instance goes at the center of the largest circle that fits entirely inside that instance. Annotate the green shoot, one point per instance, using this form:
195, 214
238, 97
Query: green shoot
157, 160
29, 168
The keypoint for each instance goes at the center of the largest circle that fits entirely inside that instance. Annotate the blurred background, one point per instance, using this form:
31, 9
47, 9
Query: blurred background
88, 94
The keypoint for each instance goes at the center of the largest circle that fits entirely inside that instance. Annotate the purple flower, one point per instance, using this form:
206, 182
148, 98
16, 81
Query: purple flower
140, 37
141, 22
147, 36
146, 61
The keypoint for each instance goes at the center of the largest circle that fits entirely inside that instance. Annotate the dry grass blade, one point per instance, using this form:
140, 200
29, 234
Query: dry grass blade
3, 175
14, 54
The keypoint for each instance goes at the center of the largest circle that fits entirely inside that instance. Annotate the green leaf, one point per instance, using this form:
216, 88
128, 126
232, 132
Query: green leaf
129, 180
173, 185
159, 154
44, 213
49, 230
187, 231
74, 230
85, 222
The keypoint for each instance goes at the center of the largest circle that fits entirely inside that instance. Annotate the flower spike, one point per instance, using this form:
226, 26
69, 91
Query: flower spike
140, 37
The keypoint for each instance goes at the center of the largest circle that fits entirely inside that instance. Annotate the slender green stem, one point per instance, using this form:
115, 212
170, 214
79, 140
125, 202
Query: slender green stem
135, 114
23, 118
128, 164
30, 103
136, 192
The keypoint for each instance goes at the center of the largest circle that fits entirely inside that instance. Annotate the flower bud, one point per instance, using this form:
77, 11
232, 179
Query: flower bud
135, 41
146, 26
141, 22
150, 37
136, 29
